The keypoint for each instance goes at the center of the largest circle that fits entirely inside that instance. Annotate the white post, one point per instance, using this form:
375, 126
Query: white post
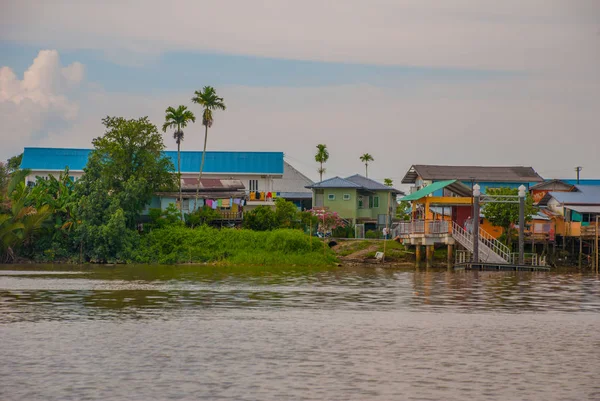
475, 222
522, 193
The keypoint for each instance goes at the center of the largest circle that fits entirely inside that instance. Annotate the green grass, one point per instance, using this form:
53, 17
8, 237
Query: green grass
232, 246
351, 246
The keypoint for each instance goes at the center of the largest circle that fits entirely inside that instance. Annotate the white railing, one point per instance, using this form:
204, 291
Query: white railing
434, 227
405, 228
495, 245
532, 259
486, 254
437, 227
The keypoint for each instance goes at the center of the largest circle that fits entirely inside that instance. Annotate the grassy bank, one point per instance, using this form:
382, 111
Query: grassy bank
231, 246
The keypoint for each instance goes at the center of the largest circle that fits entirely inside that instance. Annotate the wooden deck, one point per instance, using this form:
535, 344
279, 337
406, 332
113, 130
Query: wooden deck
499, 267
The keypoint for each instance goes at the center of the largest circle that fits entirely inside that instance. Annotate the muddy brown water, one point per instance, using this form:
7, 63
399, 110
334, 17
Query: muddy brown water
239, 333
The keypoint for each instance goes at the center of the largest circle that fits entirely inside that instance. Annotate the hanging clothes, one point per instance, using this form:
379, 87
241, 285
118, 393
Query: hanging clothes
225, 203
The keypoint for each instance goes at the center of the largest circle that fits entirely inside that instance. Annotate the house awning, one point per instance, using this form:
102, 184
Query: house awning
452, 185
585, 209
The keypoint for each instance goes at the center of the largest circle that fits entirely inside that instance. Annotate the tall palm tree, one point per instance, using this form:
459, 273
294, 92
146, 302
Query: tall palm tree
321, 157
388, 182
178, 118
366, 158
208, 99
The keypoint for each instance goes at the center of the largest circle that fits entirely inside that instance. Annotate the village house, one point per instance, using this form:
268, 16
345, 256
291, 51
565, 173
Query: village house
255, 178
357, 199
487, 177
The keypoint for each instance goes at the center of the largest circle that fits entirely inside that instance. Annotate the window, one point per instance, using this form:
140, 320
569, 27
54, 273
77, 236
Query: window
346, 196
370, 202
253, 185
331, 197
376, 201
360, 202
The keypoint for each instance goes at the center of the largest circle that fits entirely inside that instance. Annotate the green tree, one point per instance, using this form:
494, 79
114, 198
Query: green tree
125, 169
505, 215
178, 118
263, 218
388, 182
366, 158
321, 157
285, 212
4, 178
402, 211
14, 163
127, 166
208, 99
202, 216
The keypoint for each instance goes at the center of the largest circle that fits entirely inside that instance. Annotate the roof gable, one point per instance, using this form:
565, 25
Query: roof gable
334, 182
468, 173
553, 185
369, 184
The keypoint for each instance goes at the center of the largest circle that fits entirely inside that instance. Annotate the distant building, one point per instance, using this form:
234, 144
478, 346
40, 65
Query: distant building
421, 175
292, 187
258, 176
356, 198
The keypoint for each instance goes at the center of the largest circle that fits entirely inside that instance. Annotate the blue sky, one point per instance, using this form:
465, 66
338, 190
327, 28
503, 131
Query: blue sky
174, 71
408, 81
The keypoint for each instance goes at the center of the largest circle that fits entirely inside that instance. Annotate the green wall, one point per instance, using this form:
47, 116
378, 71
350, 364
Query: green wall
344, 208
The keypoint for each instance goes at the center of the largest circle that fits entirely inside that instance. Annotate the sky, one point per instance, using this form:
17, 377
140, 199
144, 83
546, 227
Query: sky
459, 82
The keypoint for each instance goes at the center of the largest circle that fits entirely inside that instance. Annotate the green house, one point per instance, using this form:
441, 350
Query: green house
357, 199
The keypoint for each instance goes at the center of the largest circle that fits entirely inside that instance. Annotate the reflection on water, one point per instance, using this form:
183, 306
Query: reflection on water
203, 332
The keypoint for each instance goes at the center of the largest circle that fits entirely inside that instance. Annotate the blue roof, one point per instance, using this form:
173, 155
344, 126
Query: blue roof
583, 181
334, 182
586, 194
215, 162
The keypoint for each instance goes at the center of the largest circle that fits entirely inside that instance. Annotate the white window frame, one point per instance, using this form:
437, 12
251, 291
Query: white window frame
346, 197
331, 197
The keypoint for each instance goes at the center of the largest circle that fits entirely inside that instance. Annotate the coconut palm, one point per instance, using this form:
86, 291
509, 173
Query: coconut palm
208, 99
388, 182
366, 158
321, 157
178, 118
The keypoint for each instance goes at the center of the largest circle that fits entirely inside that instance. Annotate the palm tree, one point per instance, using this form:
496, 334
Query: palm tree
366, 158
321, 157
388, 182
208, 99
178, 118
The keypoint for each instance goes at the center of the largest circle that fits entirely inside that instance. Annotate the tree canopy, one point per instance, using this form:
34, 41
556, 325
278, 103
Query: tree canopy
506, 214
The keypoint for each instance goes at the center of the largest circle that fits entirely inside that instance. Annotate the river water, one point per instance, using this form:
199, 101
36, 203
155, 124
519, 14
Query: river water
210, 333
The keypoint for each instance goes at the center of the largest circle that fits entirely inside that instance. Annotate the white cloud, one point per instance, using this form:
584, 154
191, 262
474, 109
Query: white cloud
29, 106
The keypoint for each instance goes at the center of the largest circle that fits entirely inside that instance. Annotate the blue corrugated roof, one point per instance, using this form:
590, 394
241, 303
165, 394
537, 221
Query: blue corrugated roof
586, 194
215, 162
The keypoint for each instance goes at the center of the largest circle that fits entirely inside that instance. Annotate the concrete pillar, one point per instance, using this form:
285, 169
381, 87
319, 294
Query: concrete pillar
450, 255
418, 256
429, 255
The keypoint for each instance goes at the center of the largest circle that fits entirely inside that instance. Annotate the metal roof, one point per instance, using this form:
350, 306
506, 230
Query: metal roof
216, 162
553, 185
468, 173
334, 182
370, 184
295, 195
585, 195
585, 209
355, 181
452, 185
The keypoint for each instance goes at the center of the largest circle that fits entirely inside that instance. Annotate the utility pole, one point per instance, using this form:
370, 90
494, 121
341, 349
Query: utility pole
475, 222
522, 224
578, 170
